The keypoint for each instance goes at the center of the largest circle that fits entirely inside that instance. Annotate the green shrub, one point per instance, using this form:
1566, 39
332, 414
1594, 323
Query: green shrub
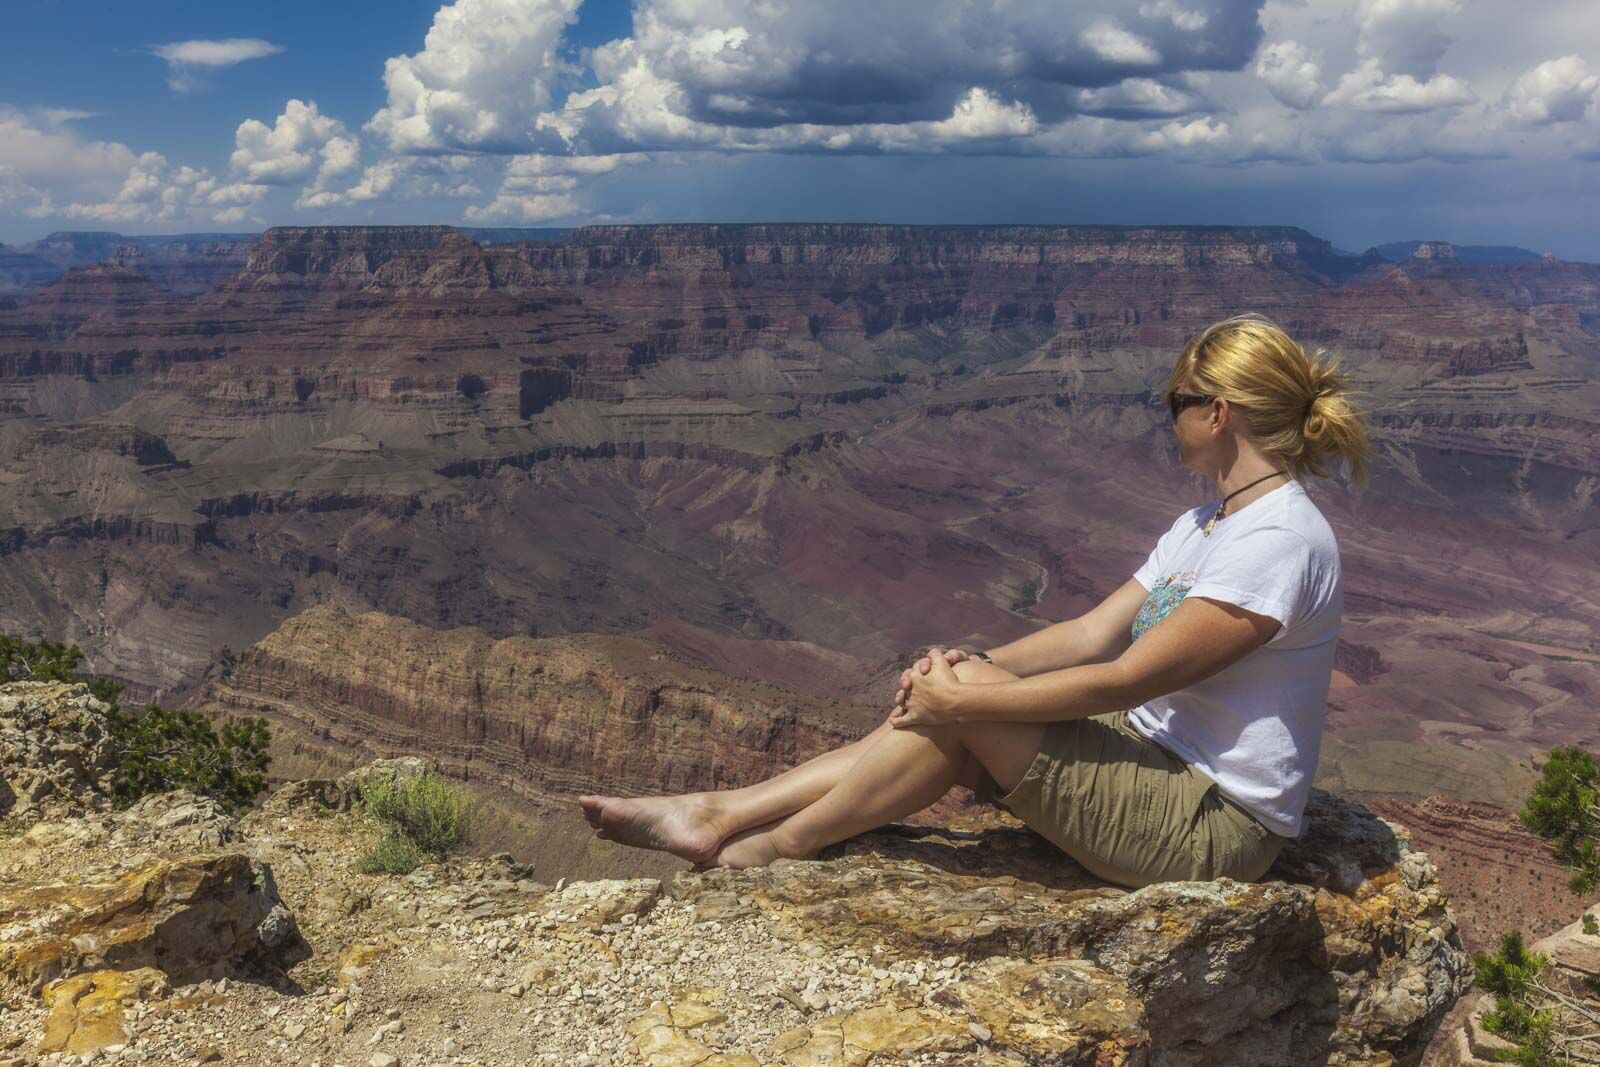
165, 748
1028, 598
393, 854
1509, 974
427, 812
1565, 810
157, 749
1591, 925
46, 661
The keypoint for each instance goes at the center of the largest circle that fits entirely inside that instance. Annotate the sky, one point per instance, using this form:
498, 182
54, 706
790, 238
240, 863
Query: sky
1361, 121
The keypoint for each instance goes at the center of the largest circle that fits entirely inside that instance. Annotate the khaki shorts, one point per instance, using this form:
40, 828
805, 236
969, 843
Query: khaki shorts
1131, 811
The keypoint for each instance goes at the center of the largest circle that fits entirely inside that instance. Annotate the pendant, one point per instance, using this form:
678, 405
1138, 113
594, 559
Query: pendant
1215, 515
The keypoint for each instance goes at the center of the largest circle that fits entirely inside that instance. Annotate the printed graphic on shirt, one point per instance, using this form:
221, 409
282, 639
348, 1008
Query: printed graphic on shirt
1165, 595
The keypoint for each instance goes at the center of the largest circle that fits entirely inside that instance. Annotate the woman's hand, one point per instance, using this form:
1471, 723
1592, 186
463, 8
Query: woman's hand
923, 666
930, 698
920, 667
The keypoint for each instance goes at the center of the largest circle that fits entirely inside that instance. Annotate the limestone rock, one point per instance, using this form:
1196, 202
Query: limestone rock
191, 918
1351, 957
86, 1010
976, 943
313, 792
55, 748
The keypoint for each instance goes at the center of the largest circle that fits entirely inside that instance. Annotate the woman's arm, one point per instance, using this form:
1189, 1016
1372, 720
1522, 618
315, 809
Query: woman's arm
1198, 639
1098, 636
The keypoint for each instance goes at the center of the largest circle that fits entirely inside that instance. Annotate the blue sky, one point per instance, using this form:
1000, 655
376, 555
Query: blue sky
1361, 120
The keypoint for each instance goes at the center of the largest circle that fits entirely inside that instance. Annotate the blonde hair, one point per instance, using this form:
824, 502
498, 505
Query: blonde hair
1296, 408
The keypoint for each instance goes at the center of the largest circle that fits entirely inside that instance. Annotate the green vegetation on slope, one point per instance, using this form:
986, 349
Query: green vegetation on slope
422, 815
158, 748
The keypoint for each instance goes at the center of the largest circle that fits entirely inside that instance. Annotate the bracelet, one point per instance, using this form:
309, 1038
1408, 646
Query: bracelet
984, 656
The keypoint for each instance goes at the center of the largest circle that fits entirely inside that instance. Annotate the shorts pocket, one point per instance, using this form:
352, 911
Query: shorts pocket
1235, 843
1168, 796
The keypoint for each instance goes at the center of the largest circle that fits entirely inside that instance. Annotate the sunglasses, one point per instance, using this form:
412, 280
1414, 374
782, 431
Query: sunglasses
1176, 402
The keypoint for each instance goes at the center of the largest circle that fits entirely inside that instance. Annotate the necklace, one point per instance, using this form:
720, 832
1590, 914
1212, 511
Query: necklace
1221, 511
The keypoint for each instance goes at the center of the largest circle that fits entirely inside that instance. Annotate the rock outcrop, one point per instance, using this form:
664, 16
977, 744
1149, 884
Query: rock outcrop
183, 263
56, 754
132, 934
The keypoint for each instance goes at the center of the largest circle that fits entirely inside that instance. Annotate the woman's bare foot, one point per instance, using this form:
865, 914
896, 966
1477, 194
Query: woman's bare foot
687, 825
755, 847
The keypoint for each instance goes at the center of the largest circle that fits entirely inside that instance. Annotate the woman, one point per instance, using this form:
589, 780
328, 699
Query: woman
1172, 732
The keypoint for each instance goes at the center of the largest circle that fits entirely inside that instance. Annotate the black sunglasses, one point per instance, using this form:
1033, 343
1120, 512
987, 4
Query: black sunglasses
1176, 402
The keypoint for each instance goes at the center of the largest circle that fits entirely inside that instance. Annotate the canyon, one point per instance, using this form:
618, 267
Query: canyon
735, 477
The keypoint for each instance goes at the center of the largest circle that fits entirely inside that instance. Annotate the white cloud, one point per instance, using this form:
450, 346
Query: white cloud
540, 188
491, 100
1290, 74
184, 56
235, 194
229, 216
223, 53
301, 141
44, 161
1202, 131
750, 75
1418, 137
155, 191
1134, 98
1368, 89
483, 76
526, 207
1557, 90
978, 116
16, 194
48, 170
396, 178
1111, 42
55, 116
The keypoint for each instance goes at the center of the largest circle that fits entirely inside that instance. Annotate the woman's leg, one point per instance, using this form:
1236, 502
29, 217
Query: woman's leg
693, 825
903, 772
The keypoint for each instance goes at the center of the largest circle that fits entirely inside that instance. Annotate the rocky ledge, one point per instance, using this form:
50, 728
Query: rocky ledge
171, 933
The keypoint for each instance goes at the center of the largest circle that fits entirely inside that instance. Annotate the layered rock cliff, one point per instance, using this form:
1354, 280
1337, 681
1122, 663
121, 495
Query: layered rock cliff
530, 722
703, 394
971, 944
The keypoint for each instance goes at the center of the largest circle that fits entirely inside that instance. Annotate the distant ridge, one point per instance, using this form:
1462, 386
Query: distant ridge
508, 235
1402, 250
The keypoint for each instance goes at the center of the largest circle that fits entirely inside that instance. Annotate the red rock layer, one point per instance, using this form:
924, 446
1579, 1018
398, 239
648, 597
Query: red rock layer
1500, 877
542, 718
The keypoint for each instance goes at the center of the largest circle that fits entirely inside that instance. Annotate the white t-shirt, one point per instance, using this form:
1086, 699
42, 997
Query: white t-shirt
1254, 727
